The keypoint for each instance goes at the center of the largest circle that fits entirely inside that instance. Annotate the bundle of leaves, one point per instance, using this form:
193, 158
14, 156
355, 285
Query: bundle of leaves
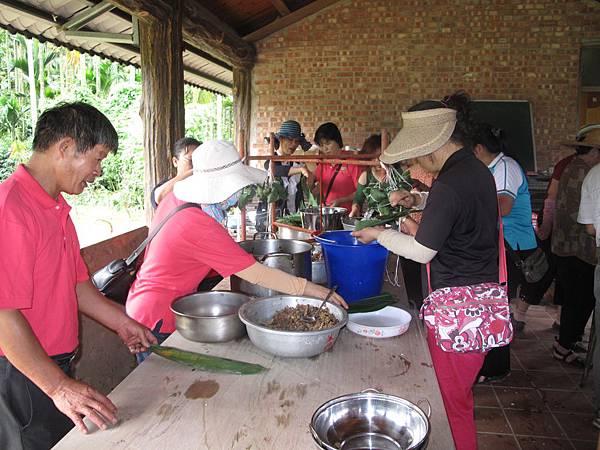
266, 192
379, 210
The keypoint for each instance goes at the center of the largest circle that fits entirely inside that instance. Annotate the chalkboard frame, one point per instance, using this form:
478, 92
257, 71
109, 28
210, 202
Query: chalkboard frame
530, 158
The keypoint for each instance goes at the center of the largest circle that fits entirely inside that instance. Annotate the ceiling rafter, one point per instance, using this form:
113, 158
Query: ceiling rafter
281, 7
289, 19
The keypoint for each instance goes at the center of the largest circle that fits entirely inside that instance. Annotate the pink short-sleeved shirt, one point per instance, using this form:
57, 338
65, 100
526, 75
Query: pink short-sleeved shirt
40, 261
345, 182
187, 247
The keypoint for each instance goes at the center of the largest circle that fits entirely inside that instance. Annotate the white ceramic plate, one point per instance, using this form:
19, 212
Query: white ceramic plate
387, 322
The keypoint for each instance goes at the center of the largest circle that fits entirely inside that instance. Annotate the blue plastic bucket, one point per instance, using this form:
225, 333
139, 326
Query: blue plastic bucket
357, 269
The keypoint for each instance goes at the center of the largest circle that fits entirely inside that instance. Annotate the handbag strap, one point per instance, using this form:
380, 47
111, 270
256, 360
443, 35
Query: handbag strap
137, 252
502, 271
337, 170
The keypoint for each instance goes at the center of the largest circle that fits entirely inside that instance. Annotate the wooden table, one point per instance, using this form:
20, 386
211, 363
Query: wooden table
165, 405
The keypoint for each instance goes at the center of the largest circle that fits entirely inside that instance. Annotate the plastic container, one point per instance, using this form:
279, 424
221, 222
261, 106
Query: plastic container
357, 269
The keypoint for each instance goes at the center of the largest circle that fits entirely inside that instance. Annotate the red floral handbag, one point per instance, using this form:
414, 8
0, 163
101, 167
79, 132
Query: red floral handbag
472, 318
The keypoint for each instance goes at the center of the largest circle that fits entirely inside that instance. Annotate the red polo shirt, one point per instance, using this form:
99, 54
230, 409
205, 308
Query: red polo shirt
182, 253
345, 182
40, 261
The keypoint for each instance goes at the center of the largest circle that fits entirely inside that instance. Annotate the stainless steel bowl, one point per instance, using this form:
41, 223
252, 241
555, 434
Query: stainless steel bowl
370, 420
209, 316
293, 344
291, 233
332, 218
349, 223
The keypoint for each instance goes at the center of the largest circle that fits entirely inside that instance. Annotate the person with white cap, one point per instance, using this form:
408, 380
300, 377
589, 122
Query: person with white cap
575, 249
589, 215
457, 236
192, 242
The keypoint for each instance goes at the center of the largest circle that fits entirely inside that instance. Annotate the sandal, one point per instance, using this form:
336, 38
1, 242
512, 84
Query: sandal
482, 379
567, 356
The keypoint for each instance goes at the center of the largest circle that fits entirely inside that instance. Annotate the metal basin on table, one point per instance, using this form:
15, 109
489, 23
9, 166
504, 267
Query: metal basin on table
295, 344
209, 316
370, 420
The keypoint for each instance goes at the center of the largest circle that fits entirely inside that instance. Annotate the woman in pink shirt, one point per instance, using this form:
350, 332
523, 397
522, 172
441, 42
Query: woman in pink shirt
192, 243
338, 181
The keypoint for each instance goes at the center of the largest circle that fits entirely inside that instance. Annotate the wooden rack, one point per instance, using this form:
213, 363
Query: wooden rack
339, 158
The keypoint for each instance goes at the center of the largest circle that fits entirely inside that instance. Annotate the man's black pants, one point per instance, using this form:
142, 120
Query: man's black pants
28, 417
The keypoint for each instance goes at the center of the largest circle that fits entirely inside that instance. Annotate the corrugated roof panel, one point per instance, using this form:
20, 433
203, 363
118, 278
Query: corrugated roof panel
43, 19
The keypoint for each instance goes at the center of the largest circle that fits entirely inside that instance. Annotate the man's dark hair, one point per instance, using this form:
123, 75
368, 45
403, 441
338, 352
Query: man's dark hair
329, 131
83, 123
182, 144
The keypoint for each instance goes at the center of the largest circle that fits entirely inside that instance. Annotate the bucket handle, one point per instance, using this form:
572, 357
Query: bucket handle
267, 233
276, 255
319, 238
424, 400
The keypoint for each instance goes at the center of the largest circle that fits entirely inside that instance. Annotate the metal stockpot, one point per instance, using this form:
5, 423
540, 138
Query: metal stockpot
291, 256
332, 217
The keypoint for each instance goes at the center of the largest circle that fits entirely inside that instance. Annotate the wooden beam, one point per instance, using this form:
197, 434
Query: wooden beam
289, 19
242, 107
206, 31
162, 95
281, 7
146, 9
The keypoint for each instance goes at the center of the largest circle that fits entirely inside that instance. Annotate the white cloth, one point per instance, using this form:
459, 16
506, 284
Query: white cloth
507, 174
406, 246
589, 207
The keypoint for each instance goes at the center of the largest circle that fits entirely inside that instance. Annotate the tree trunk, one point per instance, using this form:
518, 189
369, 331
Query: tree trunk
82, 70
32, 81
219, 116
97, 75
162, 95
242, 102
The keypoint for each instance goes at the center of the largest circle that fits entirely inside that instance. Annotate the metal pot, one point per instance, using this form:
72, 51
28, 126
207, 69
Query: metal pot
291, 256
349, 223
332, 218
371, 420
292, 233
209, 316
291, 344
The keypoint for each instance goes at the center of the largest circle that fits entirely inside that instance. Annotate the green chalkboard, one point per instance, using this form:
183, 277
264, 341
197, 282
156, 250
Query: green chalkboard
515, 117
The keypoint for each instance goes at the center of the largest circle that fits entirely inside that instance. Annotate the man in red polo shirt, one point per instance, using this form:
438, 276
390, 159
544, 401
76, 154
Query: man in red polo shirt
45, 283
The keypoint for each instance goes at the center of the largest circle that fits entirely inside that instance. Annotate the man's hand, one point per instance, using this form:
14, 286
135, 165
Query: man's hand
367, 235
76, 399
402, 198
316, 290
135, 336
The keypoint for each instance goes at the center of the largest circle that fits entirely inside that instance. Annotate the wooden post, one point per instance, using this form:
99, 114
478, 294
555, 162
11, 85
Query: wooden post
241, 234
162, 94
272, 206
242, 102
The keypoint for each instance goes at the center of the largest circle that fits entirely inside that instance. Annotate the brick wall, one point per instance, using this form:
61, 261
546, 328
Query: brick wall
359, 63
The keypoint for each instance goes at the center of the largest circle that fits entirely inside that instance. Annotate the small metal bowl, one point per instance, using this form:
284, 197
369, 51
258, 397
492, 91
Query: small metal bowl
370, 420
293, 344
209, 316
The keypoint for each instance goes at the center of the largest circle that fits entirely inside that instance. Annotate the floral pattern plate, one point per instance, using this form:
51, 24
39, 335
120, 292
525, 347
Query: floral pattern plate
387, 322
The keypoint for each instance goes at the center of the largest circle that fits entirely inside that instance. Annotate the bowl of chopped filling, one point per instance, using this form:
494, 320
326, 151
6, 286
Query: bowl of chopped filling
275, 325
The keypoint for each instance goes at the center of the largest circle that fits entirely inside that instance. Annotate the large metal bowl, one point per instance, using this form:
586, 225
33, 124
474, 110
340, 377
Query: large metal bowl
332, 218
293, 344
370, 420
209, 316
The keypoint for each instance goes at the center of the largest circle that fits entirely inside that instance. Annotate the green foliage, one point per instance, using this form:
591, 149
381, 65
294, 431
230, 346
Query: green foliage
266, 192
7, 165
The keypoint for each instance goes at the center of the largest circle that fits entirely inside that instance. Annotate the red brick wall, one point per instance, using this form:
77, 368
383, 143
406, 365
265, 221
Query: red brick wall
359, 63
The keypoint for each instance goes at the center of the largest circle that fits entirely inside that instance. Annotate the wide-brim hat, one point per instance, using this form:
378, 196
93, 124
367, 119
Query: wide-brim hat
587, 136
218, 174
291, 129
422, 133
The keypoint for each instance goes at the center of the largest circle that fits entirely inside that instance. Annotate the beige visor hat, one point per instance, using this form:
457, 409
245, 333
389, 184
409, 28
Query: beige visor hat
588, 136
422, 133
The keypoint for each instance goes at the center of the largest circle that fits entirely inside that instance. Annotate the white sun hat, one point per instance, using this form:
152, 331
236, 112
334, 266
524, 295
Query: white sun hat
422, 133
218, 174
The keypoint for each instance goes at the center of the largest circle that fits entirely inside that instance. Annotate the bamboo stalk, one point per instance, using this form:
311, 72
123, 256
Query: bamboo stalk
242, 149
272, 206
